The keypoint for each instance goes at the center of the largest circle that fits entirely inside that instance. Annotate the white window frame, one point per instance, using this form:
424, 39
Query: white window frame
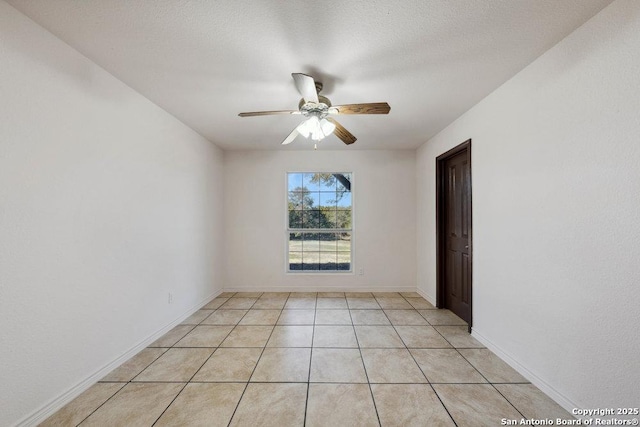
288, 230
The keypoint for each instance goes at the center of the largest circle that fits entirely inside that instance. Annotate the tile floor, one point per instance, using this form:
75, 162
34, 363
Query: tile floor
312, 359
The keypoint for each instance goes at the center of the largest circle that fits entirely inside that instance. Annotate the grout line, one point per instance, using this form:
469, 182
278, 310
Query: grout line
492, 384
419, 368
257, 362
406, 347
364, 366
304, 382
505, 398
472, 365
313, 336
103, 403
457, 349
170, 346
206, 360
367, 348
308, 382
443, 405
197, 370
173, 400
149, 364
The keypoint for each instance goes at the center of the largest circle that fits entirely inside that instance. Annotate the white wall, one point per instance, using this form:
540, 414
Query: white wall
384, 219
556, 185
107, 203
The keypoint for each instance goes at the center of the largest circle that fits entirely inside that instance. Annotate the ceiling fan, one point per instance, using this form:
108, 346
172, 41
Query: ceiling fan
318, 111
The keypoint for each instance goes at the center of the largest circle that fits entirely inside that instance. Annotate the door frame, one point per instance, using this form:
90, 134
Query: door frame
440, 223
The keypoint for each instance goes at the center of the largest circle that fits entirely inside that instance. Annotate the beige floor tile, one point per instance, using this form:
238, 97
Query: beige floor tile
203, 405
340, 405
248, 336
408, 405
443, 365
215, 303
173, 336
331, 295
224, 317
205, 336
135, 405
333, 317
226, 294
177, 364
475, 405
297, 317
405, 317
294, 303
260, 317
421, 337
328, 302
410, 295
239, 303
283, 365
135, 365
82, 406
378, 337
531, 402
391, 366
387, 295
337, 365
362, 303
358, 294
229, 364
491, 366
278, 295
197, 317
393, 303
335, 337
442, 317
459, 337
270, 303
271, 404
397, 374
248, 295
291, 336
303, 295
420, 303
369, 317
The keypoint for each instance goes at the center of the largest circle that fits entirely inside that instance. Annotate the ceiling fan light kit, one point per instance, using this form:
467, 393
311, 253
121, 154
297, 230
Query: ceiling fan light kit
317, 109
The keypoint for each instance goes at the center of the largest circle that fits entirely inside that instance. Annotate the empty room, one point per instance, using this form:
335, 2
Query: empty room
338, 213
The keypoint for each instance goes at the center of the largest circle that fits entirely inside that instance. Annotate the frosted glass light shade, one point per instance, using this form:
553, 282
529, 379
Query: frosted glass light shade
316, 128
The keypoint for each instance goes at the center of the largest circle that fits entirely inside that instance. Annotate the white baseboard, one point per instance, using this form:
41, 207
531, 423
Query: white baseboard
57, 403
320, 289
544, 386
426, 296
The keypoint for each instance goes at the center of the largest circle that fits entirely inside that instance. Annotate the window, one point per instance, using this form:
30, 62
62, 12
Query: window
319, 222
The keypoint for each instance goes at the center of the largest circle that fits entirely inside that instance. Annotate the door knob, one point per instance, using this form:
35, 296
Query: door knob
466, 247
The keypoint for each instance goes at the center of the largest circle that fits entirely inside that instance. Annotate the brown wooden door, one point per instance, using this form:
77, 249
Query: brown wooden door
455, 231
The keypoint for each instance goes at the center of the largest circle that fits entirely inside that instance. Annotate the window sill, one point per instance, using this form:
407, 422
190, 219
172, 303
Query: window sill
320, 273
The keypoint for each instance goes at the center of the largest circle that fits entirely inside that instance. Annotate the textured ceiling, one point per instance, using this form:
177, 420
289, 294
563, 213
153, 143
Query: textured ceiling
206, 61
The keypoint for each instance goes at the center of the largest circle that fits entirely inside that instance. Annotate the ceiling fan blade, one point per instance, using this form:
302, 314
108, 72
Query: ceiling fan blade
346, 136
306, 86
268, 113
289, 139
370, 108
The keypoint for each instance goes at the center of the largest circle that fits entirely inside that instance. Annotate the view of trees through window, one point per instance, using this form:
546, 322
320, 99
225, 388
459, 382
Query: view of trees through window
319, 207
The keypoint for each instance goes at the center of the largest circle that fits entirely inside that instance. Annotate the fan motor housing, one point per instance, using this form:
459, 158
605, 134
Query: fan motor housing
321, 100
